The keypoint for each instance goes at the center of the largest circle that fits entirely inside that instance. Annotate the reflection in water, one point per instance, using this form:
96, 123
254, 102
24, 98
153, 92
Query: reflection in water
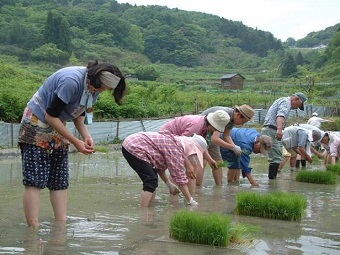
105, 217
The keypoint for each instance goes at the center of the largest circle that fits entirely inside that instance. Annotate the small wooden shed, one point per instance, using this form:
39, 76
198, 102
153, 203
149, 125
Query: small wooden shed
232, 81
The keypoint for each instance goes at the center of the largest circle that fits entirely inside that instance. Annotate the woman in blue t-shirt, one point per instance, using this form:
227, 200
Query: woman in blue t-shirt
66, 95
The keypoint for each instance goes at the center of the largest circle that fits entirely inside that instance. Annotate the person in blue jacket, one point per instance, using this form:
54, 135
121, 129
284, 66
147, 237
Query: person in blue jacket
250, 141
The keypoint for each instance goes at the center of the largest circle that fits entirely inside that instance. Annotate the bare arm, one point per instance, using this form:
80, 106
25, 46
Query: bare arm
84, 132
280, 124
303, 153
252, 180
209, 159
190, 167
59, 126
226, 142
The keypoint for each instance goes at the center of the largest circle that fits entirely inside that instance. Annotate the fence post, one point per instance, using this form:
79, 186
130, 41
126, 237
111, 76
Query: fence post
12, 135
117, 133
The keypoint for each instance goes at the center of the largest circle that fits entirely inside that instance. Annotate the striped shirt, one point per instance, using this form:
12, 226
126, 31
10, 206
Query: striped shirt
280, 108
186, 126
162, 151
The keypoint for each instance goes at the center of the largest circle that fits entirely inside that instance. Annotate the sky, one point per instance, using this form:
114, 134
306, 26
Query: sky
283, 18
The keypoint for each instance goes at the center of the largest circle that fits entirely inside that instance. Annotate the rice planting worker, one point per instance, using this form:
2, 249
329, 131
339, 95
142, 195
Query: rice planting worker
274, 124
331, 143
317, 121
204, 125
66, 95
151, 153
239, 115
285, 159
250, 141
298, 140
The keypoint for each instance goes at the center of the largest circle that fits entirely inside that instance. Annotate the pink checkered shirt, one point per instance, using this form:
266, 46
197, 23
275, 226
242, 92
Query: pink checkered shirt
162, 151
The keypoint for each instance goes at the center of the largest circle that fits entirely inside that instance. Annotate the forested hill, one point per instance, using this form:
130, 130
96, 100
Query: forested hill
52, 30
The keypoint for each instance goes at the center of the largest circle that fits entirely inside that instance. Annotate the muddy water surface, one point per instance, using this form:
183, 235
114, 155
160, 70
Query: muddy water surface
104, 216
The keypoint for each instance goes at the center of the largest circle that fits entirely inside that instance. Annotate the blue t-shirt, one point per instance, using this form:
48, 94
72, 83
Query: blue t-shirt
68, 84
245, 138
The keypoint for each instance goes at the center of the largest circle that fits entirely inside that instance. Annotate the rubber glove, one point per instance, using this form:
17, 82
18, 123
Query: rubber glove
237, 150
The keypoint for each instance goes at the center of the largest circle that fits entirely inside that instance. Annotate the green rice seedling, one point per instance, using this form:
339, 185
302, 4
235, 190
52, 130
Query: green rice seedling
335, 168
102, 149
275, 205
195, 227
221, 164
321, 177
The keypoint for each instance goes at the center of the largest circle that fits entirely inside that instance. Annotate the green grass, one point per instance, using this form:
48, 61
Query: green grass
275, 205
209, 229
335, 168
321, 177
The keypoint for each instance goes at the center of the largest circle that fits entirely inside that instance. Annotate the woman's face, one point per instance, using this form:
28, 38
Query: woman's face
103, 88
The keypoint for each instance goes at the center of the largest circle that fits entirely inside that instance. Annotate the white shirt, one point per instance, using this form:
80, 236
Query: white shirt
316, 121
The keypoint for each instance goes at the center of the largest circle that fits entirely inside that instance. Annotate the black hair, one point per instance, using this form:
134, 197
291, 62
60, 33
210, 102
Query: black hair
93, 73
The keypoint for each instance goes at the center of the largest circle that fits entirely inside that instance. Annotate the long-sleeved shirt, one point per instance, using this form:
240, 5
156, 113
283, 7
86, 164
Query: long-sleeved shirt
162, 151
186, 126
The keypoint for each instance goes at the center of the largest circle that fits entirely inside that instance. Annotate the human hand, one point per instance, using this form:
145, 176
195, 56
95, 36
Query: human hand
83, 148
173, 189
191, 174
192, 202
213, 164
255, 184
89, 143
237, 150
279, 134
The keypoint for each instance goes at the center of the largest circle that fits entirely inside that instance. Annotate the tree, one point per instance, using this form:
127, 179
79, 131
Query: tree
289, 66
290, 42
57, 31
332, 52
299, 59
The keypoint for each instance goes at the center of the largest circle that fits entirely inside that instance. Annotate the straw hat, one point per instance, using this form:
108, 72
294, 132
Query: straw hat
246, 111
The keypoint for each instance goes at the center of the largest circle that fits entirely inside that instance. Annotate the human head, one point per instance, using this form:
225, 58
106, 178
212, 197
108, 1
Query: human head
218, 119
298, 100
243, 114
325, 139
263, 144
97, 74
316, 135
315, 114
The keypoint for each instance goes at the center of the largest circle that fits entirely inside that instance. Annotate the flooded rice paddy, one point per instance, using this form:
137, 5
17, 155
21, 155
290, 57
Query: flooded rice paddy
105, 218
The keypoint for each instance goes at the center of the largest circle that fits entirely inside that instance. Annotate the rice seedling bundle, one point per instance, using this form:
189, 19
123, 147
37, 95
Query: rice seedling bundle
275, 205
335, 168
321, 177
195, 227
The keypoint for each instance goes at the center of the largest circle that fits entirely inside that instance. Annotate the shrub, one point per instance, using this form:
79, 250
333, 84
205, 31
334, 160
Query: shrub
322, 177
276, 205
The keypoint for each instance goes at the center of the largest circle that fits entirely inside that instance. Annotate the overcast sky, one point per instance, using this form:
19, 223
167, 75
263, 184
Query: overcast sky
283, 18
